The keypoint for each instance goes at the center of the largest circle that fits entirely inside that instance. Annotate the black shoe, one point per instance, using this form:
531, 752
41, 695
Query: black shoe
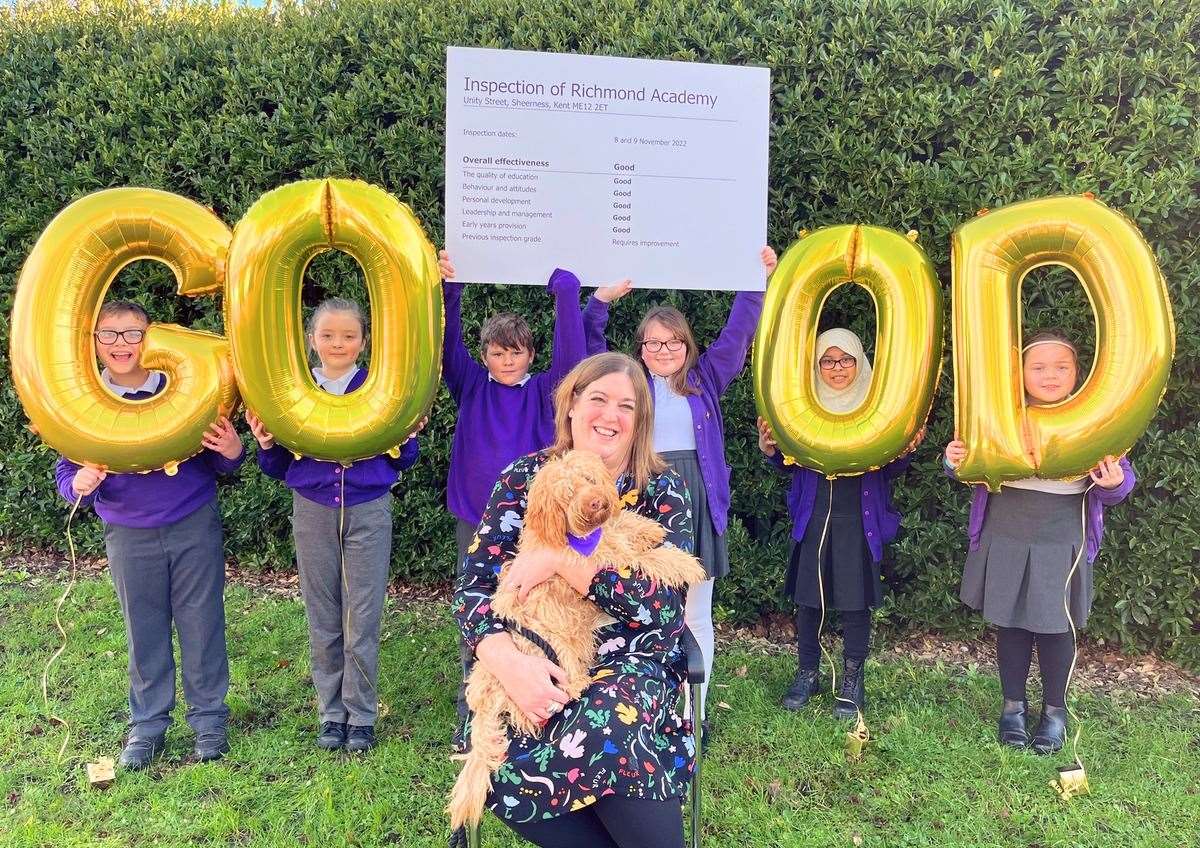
1012, 731
1051, 731
852, 696
140, 750
458, 741
211, 744
806, 684
359, 738
332, 736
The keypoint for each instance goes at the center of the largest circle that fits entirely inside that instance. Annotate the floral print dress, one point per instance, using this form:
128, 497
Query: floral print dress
622, 736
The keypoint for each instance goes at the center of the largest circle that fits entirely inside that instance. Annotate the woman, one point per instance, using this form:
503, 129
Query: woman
610, 769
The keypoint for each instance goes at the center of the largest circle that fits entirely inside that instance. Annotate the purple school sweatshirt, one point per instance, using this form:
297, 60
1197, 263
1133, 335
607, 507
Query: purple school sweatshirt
880, 519
320, 481
498, 423
715, 370
153, 499
1097, 499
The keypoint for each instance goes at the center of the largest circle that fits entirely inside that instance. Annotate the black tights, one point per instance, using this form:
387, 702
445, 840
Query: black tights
1014, 653
611, 822
856, 634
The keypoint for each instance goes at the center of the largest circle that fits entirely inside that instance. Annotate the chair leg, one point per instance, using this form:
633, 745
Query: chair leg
695, 790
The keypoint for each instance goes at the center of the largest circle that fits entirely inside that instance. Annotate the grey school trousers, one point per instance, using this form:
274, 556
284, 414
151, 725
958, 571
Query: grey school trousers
464, 534
174, 574
344, 607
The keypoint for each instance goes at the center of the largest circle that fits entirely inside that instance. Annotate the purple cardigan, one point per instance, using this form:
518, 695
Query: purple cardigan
320, 481
498, 423
880, 519
153, 499
715, 370
1097, 499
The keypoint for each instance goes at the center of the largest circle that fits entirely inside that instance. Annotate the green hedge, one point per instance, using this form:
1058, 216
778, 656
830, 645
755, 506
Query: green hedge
901, 113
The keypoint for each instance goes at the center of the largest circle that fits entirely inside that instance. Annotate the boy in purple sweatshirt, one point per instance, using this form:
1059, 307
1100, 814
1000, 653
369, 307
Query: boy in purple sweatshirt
504, 412
342, 526
165, 553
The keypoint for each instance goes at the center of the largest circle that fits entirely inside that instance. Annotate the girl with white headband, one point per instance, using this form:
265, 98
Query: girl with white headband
1024, 543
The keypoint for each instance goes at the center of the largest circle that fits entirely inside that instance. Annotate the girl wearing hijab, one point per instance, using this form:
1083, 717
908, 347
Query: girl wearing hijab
861, 521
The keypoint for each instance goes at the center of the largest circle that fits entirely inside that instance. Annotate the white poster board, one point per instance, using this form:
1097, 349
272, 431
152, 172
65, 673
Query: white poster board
608, 167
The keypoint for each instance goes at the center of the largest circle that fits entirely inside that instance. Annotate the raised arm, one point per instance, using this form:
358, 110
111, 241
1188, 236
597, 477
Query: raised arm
725, 357
569, 349
458, 367
595, 321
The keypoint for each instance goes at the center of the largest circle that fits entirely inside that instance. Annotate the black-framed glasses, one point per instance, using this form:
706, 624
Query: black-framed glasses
828, 363
107, 337
654, 345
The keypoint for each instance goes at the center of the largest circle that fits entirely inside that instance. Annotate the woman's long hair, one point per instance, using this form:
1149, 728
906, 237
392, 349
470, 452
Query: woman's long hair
675, 323
643, 461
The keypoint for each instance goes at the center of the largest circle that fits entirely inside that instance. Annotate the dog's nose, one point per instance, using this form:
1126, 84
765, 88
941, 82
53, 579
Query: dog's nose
595, 504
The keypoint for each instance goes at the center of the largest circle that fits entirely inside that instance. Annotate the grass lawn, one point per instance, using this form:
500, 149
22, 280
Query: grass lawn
932, 776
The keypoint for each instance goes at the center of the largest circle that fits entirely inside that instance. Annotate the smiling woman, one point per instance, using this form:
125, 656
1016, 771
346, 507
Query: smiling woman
621, 757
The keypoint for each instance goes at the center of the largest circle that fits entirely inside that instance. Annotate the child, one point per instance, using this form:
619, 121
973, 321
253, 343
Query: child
342, 525
1023, 544
162, 534
861, 521
689, 432
504, 412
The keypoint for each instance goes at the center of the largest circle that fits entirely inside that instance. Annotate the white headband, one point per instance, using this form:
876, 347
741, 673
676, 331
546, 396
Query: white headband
1065, 344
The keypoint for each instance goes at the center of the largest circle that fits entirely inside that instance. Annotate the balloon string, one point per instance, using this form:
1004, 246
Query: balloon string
1074, 631
347, 605
821, 592
62, 599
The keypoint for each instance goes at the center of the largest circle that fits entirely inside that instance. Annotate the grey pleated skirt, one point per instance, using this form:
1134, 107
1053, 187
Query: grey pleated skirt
1017, 577
710, 545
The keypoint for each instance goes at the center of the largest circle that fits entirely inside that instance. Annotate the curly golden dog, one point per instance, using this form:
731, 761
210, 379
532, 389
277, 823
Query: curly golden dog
573, 494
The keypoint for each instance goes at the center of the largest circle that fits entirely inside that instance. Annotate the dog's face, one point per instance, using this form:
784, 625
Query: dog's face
585, 491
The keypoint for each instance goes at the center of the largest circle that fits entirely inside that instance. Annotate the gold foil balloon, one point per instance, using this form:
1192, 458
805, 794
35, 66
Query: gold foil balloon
908, 348
59, 294
272, 245
1135, 339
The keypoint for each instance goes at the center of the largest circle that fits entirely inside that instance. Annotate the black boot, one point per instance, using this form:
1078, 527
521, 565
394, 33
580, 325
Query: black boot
1051, 731
1013, 732
852, 693
806, 684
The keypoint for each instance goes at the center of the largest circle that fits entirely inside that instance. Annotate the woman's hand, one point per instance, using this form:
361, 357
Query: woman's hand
766, 441
528, 680
265, 440
956, 452
613, 293
87, 479
1108, 474
445, 266
769, 259
222, 438
529, 570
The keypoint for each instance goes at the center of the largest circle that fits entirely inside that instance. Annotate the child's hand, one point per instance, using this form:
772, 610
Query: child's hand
87, 478
420, 426
1108, 474
265, 440
769, 260
614, 292
956, 452
222, 438
917, 439
445, 265
766, 441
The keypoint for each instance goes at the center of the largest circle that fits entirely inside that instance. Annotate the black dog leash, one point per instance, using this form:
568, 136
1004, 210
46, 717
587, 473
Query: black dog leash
526, 633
